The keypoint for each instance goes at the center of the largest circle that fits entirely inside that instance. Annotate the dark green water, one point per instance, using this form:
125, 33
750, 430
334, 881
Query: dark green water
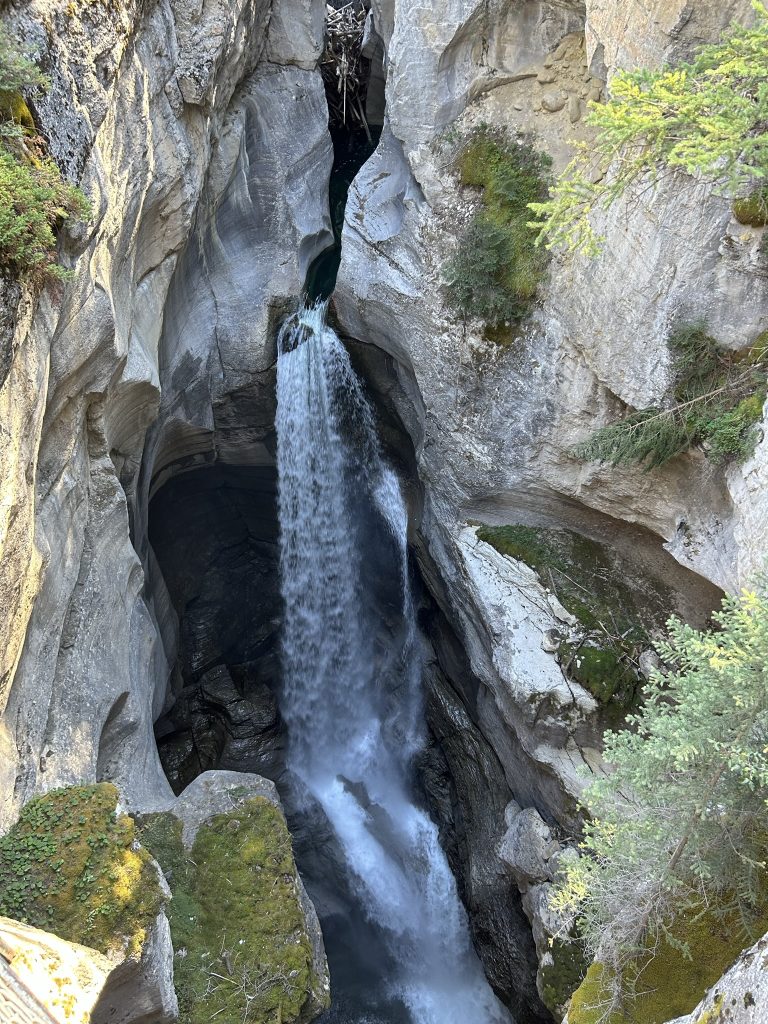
351, 149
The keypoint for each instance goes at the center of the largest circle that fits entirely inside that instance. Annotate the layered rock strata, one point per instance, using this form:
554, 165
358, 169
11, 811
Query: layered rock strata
200, 136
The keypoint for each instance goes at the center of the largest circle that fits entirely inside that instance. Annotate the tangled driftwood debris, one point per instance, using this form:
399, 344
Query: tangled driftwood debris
343, 66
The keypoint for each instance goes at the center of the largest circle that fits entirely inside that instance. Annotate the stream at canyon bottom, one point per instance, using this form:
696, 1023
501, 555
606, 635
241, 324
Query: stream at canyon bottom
351, 687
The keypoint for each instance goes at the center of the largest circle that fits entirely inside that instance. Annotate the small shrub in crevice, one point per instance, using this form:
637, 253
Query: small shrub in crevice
69, 866
716, 401
34, 197
497, 268
17, 71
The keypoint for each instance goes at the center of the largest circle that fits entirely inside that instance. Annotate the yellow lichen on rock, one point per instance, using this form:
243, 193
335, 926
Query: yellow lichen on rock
62, 978
673, 981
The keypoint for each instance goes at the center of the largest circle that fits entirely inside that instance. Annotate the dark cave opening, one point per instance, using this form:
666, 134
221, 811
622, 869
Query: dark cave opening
215, 534
214, 531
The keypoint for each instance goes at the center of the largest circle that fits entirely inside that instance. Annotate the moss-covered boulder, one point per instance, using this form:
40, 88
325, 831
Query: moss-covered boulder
241, 924
674, 980
71, 865
752, 210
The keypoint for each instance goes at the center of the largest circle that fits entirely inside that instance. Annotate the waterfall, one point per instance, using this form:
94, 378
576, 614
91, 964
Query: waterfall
352, 674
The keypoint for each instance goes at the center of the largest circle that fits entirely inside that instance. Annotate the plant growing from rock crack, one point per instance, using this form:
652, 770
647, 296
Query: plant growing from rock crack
679, 826
707, 118
717, 401
34, 197
496, 270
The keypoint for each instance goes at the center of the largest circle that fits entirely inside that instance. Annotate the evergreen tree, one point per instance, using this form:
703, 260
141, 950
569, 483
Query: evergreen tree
708, 118
681, 821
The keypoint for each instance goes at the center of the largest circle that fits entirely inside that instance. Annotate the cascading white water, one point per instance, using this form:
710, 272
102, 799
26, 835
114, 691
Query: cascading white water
352, 699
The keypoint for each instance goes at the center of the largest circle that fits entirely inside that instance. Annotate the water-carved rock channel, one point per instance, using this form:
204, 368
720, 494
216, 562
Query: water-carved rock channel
311, 562
325, 696
352, 675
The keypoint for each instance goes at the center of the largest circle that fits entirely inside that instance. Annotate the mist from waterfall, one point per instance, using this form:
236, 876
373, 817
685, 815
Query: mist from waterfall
352, 675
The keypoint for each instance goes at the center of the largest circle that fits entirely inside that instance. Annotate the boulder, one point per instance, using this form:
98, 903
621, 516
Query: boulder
47, 980
527, 848
241, 797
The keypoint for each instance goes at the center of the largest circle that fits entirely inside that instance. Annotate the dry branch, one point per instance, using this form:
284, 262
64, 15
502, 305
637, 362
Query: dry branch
343, 66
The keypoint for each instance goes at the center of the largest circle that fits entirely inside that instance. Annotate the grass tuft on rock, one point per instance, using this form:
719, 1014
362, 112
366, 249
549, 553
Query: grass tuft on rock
496, 270
716, 401
237, 924
71, 866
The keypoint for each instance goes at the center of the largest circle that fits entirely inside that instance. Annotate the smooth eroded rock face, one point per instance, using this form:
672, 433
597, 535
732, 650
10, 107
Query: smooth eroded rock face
199, 132
201, 137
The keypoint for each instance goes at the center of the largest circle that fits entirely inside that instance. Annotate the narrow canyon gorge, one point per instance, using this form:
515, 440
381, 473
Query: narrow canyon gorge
316, 616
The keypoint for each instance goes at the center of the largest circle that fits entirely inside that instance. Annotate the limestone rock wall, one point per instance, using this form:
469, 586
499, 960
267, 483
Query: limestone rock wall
498, 422
198, 132
647, 33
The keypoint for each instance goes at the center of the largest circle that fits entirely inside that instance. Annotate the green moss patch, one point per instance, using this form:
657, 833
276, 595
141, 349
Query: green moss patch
563, 975
13, 107
618, 610
675, 979
238, 928
607, 672
69, 866
752, 210
496, 270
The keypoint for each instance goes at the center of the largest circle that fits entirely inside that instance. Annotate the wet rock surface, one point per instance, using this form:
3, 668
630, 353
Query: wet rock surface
216, 724
200, 135
466, 790
214, 534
